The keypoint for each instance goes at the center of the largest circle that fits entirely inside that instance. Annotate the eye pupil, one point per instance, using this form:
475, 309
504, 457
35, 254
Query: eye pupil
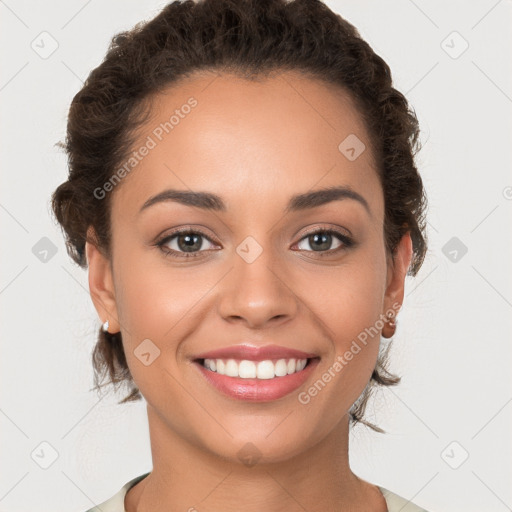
325, 237
190, 240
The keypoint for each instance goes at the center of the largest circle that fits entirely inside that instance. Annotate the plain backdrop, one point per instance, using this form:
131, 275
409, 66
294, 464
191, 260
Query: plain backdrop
448, 443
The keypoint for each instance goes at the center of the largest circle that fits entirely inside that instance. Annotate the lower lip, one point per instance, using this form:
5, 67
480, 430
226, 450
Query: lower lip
258, 390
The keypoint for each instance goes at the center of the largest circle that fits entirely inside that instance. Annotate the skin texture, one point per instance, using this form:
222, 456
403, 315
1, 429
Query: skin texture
255, 145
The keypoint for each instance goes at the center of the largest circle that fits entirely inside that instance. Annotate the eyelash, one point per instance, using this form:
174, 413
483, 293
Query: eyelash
346, 241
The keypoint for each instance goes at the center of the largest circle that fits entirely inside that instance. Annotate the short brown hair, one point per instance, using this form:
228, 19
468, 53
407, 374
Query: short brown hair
249, 38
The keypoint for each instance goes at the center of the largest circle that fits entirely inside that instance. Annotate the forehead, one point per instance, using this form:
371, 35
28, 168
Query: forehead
263, 140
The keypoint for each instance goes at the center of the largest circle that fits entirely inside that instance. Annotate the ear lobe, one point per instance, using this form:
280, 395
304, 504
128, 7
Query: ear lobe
101, 283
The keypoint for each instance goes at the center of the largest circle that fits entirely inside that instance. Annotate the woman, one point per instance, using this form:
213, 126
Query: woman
243, 191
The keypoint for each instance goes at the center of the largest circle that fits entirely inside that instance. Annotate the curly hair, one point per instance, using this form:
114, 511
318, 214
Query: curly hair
250, 38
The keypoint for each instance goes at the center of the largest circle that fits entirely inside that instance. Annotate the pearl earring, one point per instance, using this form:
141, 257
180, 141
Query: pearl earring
390, 328
105, 326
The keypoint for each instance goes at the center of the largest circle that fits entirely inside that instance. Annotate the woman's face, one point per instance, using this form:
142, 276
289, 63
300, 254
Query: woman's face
256, 274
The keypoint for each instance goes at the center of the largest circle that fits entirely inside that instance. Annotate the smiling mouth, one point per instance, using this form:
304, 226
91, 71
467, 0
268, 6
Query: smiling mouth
247, 369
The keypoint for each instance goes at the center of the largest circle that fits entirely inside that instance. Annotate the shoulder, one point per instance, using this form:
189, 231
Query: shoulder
396, 503
116, 502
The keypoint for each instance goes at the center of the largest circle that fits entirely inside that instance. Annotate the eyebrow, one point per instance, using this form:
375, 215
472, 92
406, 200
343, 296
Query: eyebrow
299, 202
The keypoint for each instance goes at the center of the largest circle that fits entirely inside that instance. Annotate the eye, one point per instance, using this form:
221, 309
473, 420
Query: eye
184, 243
321, 241
189, 243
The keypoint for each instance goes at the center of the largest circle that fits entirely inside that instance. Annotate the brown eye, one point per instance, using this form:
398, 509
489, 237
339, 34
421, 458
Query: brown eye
323, 239
184, 243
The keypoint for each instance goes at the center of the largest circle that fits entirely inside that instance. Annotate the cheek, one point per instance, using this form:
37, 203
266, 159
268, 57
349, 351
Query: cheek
159, 302
163, 305
348, 298
150, 295
348, 305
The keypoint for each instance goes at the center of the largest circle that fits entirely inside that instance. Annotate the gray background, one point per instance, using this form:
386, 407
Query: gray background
453, 342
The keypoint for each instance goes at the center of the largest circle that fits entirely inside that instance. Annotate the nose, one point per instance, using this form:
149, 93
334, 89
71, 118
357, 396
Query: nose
258, 293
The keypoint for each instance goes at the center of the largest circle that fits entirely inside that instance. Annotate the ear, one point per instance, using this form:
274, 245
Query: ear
397, 268
101, 283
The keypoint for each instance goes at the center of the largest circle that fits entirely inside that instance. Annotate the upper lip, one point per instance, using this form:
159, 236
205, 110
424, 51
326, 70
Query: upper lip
254, 353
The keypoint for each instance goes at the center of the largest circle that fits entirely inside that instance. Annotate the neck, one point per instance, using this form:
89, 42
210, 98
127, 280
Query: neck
186, 477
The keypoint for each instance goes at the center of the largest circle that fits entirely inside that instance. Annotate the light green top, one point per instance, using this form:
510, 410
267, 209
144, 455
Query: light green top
394, 502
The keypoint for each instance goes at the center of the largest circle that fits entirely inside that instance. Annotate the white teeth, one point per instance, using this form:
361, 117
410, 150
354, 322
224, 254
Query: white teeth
301, 364
231, 369
266, 370
281, 368
246, 369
